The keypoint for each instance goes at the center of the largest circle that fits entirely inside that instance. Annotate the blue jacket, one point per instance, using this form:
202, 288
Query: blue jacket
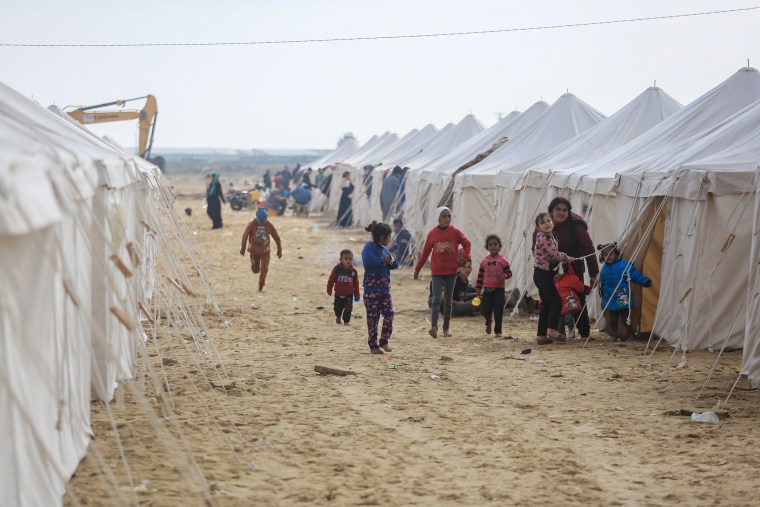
377, 274
617, 294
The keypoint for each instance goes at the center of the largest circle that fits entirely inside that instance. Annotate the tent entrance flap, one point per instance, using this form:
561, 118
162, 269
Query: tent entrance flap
652, 266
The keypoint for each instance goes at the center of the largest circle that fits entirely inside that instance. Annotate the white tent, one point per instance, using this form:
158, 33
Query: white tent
346, 147
474, 189
426, 185
522, 192
63, 214
442, 143
681, 196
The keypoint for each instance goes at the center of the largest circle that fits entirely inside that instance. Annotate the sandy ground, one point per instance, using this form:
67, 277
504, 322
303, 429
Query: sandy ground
465, 420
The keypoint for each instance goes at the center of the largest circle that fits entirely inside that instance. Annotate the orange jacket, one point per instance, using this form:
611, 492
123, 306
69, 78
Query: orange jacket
256, 236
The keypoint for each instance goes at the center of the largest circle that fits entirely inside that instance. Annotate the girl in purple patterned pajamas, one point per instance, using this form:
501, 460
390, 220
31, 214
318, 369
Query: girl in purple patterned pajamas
378, 262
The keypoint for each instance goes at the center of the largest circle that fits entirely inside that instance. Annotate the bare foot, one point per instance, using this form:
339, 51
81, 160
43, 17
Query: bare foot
433, 332
387, 348
375, 351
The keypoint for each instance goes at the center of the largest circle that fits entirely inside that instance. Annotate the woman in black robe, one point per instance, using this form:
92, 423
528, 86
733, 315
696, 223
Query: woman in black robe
345, 214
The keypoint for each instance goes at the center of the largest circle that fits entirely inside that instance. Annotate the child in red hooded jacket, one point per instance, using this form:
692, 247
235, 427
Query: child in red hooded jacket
569, 287
443, 242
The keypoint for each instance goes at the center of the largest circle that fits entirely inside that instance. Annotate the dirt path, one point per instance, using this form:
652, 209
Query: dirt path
466, 420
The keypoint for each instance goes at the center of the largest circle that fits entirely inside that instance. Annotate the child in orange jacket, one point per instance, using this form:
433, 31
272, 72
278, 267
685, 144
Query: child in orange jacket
256, 236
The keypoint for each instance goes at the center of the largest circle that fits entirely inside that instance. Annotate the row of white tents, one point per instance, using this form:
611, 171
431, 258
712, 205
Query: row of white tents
676, 186
83, 225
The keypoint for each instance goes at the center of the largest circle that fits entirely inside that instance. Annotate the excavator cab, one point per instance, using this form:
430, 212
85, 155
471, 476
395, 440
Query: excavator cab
146, 121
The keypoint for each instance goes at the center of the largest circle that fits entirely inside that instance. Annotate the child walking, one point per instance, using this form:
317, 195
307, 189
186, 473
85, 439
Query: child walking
256, 236
345, 280
614, 286
378, 262
443, 241
546, 254
493, 273
569, 287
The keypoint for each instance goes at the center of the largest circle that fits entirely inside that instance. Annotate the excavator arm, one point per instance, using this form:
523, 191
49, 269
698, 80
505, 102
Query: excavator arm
146, 116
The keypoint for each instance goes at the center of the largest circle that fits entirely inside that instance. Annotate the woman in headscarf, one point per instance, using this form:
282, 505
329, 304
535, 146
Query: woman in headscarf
214, 200
345, 215
443, 241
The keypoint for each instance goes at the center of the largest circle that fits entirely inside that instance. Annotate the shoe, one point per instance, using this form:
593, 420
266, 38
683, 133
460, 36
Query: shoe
337, 320
561, 339
387, 348
375, 351
630, 339
261, 288
543, 340
613, 339
488, 328
346, 323
433, 332
497, 335
446, 333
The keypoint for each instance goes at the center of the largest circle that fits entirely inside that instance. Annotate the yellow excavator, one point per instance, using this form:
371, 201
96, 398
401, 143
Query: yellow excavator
146, 116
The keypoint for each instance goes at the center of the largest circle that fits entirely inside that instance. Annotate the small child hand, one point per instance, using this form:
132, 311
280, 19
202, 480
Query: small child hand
416, 274
242, 251
279, 254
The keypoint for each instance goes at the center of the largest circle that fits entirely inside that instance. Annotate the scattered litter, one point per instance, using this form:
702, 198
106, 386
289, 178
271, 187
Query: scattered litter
254, 306
538, 361
446, 359
682, 363
320, 308
526, 351
705, 417
435, 377
295, 298
619, 409
393, 366
556, 375
413, 419
386, 405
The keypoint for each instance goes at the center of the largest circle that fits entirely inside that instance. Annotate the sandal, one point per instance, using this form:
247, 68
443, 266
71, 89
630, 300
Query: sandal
543, 340
375, 351
433, 332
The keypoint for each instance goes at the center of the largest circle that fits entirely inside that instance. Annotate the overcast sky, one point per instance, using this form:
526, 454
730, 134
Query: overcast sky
308, 95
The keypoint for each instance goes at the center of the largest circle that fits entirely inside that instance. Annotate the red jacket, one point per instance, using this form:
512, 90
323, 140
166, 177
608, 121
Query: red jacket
346, 282
569, 286
444, 245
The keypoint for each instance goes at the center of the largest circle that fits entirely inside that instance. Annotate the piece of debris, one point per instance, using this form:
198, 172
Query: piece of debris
168, 361
616, 376
325, 370
222, 386
413, 419
556, 375
446, 359
526, 351
320, 308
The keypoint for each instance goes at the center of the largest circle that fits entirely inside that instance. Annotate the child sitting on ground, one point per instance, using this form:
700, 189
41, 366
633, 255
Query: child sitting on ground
569, 287
493, 273
345, 280
464, 293
615, 287
256, 236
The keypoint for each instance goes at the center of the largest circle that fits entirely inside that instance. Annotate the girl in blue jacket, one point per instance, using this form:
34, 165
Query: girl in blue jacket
614, 286
378, 262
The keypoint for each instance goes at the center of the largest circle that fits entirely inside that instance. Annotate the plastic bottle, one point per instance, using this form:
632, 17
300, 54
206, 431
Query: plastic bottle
705, 417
